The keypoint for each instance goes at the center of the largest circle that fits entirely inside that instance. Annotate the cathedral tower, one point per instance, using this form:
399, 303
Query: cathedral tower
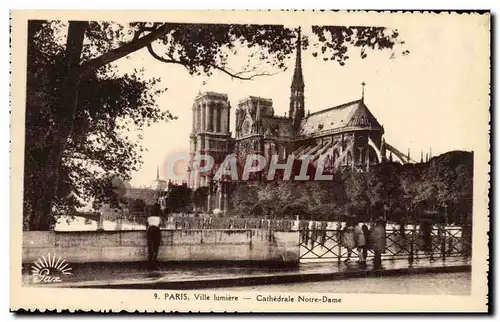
210, 133
296, 112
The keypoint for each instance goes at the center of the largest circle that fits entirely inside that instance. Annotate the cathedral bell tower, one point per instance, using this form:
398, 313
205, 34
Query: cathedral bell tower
210, 134
296, 112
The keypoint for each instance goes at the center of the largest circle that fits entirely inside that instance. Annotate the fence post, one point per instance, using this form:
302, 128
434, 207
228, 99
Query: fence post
466, 240
450, 246
442, 238
339, 242
410, 257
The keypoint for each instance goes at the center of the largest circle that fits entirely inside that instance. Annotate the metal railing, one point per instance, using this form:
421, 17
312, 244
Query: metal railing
210, 222
408, 243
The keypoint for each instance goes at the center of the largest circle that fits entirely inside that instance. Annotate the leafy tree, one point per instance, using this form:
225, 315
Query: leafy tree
179, 198
335, 41
384, 190
200, 196
450, 177
137, 207
243, 198
356, 188
291, 211
76, 102
443, 185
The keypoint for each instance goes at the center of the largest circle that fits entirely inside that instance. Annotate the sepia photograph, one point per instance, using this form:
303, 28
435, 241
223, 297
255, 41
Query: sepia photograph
250, 161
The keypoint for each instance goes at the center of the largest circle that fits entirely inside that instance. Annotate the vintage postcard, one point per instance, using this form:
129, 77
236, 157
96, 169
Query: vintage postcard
248, 161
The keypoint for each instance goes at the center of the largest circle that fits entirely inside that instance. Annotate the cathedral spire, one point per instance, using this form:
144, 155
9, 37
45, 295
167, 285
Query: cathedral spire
298, 78
297, 109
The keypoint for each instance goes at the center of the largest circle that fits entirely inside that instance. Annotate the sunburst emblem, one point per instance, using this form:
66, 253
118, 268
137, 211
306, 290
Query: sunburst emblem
45, 266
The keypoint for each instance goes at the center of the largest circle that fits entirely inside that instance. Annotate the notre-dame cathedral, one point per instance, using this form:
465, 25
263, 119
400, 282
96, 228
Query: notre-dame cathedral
348, 135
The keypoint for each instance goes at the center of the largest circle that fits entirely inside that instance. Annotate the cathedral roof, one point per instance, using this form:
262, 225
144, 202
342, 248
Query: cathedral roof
352, 114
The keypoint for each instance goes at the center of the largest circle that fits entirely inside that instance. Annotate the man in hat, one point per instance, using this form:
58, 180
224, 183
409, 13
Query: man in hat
378, 242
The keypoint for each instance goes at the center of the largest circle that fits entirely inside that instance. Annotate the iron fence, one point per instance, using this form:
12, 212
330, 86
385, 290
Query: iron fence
408, 243
210, 222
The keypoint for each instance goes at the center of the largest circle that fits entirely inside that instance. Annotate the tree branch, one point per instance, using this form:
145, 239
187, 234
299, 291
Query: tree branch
122, 51
237, 75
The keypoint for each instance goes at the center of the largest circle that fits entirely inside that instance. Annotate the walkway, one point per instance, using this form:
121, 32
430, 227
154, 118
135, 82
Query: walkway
190, 276
423, 284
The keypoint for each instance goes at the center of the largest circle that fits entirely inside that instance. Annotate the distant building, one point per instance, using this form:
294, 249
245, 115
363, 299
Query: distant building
149, 195
159, 184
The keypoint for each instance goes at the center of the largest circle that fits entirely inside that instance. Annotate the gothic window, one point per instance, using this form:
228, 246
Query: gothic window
246, 127
360, 141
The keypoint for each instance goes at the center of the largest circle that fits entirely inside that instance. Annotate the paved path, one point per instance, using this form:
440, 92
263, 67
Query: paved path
424, 284
177, 276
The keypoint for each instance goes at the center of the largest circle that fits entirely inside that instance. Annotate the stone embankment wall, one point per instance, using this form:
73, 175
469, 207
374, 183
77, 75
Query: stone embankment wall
196, 245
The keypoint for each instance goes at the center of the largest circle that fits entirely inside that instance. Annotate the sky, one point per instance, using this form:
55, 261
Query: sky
434, 98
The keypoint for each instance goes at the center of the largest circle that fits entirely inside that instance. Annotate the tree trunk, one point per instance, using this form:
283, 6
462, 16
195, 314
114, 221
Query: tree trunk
65, 116
44, 187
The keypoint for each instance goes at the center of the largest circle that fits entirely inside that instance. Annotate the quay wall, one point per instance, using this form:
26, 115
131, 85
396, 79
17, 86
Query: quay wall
196, 245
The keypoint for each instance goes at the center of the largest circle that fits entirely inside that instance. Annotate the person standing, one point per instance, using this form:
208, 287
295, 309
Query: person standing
378, 242
359, 238
348, 238
153, 233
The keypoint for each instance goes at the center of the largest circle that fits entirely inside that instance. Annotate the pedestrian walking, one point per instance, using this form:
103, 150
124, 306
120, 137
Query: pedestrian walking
348, 238
360, 241
153, 234
378, 241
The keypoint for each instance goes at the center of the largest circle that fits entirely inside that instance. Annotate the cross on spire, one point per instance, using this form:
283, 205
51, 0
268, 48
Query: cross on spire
363, 84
